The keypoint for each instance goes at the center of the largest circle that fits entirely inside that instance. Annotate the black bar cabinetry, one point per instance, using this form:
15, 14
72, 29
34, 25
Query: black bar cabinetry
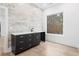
22, 42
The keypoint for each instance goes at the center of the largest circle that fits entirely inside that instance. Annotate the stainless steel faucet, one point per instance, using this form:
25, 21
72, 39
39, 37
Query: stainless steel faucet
32, 29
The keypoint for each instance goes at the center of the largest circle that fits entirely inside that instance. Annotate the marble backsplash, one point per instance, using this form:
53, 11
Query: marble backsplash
23, 16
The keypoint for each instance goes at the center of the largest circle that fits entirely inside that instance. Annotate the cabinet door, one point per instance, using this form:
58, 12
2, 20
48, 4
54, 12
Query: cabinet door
43, 36
20, 37
29, 40
36, 39
20, 43
20, 48
20, 40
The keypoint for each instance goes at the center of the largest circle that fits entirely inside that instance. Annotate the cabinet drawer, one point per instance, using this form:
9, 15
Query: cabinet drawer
19, 49
30, 40
20, 42
30, 36
20, 37
29, 45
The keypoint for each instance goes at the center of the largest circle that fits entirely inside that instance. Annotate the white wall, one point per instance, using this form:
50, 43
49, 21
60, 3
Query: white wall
70, 24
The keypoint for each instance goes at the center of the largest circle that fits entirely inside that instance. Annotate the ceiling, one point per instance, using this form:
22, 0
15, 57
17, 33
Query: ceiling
44, 6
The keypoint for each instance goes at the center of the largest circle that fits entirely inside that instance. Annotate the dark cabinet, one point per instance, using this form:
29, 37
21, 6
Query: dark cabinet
43, 36
23, 42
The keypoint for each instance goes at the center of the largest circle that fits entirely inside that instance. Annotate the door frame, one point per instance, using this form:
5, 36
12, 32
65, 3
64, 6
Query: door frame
4, 36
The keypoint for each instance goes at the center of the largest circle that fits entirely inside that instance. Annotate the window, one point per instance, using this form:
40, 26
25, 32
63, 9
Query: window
55, 23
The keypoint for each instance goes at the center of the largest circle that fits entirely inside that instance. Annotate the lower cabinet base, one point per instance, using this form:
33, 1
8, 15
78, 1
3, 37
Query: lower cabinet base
22, 42
16, 53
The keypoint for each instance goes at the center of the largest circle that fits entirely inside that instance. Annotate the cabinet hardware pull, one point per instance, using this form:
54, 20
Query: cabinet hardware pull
21, 36
21, 48
21, 41
29, 39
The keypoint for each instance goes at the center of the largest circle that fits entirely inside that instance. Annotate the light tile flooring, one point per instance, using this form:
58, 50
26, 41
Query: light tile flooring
49, 49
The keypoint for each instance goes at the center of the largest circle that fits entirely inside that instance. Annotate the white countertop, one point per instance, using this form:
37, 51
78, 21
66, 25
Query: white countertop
18, 33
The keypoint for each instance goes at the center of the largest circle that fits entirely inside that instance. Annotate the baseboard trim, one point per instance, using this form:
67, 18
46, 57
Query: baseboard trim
63, 44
